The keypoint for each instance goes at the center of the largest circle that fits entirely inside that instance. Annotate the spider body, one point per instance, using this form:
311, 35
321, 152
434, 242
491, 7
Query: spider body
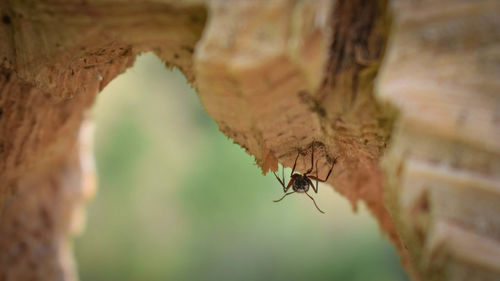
300, 183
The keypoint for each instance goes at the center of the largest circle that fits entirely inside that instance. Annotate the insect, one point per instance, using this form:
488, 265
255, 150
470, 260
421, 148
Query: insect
300, 182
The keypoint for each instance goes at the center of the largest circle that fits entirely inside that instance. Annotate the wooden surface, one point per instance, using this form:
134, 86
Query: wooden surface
277, 76
55, 59
443, 166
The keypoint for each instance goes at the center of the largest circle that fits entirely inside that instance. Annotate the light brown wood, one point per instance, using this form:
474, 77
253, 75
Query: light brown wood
443, 164
277, 76
290, 74
55, 58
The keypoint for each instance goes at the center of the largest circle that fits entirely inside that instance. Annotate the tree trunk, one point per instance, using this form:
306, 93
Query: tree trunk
443, 165
278, 77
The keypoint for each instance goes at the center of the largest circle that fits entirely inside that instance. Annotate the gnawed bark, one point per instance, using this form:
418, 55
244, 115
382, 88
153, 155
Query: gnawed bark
443, 165
277, 76
55, 59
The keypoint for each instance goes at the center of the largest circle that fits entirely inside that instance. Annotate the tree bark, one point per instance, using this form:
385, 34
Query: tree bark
443, 164
279, 77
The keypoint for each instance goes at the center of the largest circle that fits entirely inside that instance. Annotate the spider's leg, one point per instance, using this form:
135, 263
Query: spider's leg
314, 203
312, 160
295, 164
283, 196
283, 173
292, 180
281, 182
285, 188
316, 176
327, 176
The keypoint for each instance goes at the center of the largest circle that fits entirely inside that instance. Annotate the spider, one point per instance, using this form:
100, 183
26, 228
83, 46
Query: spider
300, 182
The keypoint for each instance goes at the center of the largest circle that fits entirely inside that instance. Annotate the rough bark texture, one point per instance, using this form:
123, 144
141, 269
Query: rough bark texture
443, 165
55, 58
277, 76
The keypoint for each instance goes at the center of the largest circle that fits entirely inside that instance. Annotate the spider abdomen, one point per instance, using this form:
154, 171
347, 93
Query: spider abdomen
301, 183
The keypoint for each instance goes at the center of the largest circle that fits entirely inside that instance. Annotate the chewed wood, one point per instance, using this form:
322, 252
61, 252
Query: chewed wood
443, 165
279, 78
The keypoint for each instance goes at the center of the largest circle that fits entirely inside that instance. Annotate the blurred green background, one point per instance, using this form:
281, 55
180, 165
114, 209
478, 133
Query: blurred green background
177, 200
